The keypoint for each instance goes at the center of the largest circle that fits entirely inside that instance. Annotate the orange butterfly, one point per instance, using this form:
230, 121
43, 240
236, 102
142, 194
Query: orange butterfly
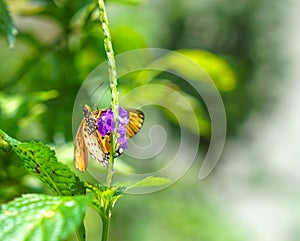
90, 138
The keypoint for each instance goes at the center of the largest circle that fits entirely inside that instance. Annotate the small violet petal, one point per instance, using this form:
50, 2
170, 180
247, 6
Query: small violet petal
107, 124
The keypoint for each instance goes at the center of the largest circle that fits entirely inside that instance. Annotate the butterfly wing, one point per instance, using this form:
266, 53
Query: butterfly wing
90, 118
94, 146
88, 139
136, 120
80, 150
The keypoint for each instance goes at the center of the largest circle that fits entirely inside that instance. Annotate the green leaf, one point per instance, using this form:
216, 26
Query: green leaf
83, 15
10, 140
15, 106
218, 69
129, 2
179, 105
4, 146
150, 181
41, 217
41, 161
7, 24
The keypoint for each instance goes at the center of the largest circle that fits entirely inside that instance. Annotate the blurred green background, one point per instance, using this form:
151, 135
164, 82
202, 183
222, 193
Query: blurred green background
243, 45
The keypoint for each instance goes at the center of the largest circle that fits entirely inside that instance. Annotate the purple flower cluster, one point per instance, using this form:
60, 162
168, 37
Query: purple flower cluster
107, 124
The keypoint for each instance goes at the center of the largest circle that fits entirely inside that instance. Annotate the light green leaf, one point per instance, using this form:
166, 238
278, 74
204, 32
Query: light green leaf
130, 2
6, 24
218, 69
150, 181
11, 141
41, 217
180, 104
41, 161
17, 105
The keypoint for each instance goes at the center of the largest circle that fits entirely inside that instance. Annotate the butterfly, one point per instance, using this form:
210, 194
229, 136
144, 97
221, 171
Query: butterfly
89, 140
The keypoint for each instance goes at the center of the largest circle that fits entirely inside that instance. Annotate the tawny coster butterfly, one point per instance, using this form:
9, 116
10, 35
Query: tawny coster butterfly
90, 140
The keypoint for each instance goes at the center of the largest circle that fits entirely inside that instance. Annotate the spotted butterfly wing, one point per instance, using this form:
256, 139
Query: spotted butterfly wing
89, 138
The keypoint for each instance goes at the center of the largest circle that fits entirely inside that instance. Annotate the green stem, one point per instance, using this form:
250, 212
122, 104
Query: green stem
113, 86
105, 228
112, 73
80, 233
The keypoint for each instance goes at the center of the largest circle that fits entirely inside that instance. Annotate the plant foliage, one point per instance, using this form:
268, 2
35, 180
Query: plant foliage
6, 24
41, 161
41, 217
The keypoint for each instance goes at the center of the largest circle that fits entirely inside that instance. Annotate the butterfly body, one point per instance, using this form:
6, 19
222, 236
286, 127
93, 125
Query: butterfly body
89, 139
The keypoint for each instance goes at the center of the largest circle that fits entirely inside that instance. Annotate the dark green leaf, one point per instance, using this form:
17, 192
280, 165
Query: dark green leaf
7, 24
41, 217
41, 161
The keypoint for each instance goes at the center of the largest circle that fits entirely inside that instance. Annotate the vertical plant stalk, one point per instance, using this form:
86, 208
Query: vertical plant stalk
112, 72
103, 204
105, 228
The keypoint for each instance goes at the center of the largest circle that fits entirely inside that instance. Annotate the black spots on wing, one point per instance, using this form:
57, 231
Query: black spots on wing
91, 121
106, 159
119, 152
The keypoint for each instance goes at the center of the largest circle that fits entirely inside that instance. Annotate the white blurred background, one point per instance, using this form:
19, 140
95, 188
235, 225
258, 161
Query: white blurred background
258, 180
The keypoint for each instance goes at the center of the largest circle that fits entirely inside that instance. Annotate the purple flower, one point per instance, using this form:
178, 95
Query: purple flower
123, 121
122, 137
107, 124
122, 112
123, 143
123, 117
